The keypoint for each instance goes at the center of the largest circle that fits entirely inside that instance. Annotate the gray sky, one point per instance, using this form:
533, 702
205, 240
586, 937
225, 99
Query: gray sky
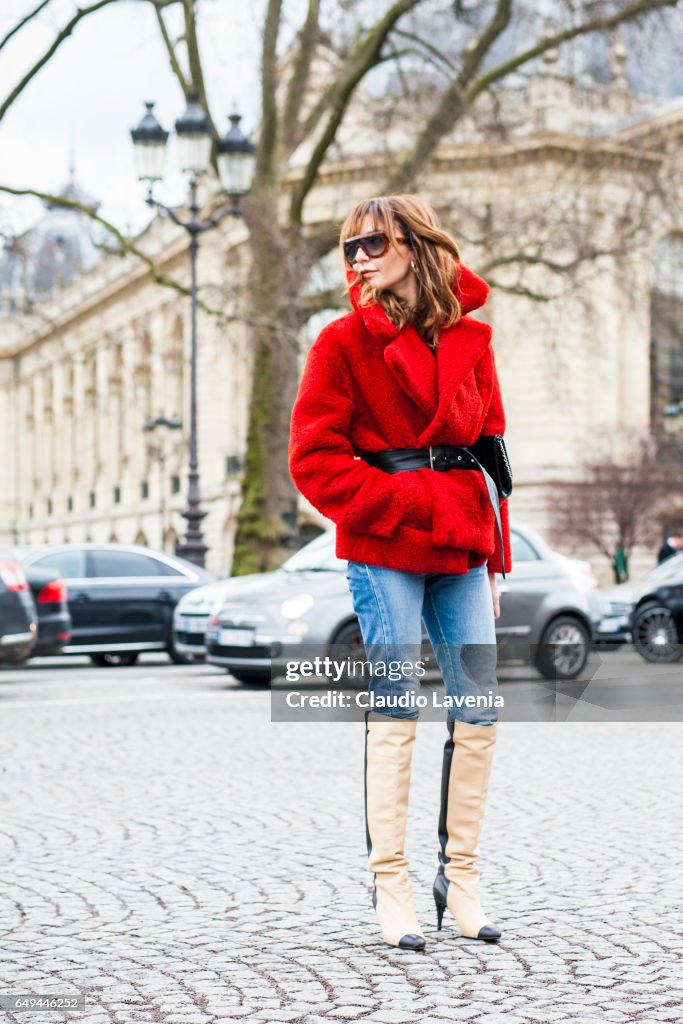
91, 93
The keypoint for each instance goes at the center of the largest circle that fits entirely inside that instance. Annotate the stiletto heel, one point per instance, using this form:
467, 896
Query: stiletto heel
468, 754
439, 892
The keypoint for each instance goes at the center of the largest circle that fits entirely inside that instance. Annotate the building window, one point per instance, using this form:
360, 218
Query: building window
92, 499
49, 506
117, 495
175, 485
234, 464
666, 336
144, 489
69, 504
30, 511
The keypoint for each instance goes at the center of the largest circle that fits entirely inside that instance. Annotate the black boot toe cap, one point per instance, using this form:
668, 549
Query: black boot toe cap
412, 942
489, 933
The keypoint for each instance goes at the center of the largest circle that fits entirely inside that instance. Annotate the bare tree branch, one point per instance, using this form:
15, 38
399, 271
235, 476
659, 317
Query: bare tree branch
452, 104
585, 255
57, 42
323, 239
464, 90
614, 501
185, 84
433, 51
24, 21
365, 55
326, 298
126, 246
327, 99
520, 290
296, 91
194, 57
267, 150
597, 24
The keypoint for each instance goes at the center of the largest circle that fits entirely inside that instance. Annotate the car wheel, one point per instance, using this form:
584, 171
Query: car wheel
351, 636
112, 660
564, 648
350, 639
251, 677
655, 636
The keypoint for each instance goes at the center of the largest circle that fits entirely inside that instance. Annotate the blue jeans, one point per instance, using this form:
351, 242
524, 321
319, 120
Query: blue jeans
458, 614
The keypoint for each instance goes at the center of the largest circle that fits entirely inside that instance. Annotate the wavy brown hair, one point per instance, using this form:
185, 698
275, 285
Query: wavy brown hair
433, 252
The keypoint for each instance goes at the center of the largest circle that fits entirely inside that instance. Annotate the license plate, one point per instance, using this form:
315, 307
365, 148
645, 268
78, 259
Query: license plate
236, 638
194, 624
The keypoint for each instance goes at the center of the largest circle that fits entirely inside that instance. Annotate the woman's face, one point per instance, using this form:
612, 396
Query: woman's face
391, 272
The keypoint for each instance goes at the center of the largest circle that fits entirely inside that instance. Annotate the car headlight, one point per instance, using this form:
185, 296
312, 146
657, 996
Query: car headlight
295, 607
616, 608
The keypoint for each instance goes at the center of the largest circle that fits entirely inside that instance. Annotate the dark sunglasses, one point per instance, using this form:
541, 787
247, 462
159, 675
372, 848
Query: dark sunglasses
373, 245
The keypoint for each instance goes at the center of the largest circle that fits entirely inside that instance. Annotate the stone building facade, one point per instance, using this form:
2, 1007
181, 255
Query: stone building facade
580, 183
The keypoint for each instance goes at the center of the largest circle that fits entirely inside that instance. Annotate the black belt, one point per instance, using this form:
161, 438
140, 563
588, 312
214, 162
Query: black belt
440, 457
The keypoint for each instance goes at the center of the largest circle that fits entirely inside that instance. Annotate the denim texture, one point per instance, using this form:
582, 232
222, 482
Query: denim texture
457, 611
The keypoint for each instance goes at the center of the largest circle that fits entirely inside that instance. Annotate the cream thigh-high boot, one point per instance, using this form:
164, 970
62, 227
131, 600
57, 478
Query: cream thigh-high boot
468, 756
388, 754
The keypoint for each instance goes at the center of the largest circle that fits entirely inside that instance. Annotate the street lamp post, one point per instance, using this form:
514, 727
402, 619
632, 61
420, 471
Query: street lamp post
159, 452
236, 160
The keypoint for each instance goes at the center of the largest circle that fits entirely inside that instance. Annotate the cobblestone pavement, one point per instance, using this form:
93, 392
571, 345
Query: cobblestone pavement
168, 851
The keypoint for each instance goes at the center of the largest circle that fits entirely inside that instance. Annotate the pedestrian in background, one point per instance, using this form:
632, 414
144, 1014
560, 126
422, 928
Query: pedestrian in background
390, 395
671, 546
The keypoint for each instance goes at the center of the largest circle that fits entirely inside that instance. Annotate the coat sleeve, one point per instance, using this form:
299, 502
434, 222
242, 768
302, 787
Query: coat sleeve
354, 495
494, 423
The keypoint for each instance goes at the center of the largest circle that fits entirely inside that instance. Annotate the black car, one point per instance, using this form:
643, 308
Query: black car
121, 597
656, 621
54, 621
18, 625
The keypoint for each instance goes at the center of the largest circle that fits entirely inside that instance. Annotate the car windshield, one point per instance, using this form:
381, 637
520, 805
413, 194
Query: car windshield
317, 556
672, 566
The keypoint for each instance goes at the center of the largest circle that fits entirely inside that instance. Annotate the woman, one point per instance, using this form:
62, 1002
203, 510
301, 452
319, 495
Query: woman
406, 373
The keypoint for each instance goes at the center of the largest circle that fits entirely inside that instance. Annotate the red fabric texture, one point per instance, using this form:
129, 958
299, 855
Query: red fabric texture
368, 387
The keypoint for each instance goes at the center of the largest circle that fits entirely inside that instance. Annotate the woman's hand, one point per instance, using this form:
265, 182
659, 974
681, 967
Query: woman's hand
495, 595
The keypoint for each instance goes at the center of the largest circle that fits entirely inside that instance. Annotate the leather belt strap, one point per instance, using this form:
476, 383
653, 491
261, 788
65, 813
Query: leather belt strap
441, 458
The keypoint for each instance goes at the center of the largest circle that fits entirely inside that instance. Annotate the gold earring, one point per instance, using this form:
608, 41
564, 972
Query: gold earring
413, 266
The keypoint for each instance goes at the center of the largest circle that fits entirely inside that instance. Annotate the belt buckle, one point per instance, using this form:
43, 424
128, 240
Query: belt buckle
431, 457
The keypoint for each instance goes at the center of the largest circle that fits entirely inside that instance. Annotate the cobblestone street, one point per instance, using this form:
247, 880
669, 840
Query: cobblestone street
172, 854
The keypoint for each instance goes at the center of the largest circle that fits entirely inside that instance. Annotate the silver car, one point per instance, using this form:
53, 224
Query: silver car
191, 618
548, 611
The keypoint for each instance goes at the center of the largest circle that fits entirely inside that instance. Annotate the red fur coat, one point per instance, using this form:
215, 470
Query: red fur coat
367, 386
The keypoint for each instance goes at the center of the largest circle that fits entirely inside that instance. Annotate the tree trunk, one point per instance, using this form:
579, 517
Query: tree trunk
267, 520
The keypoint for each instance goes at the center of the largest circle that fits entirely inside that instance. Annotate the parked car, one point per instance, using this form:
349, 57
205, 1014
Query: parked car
548, 610
191, 618
617, 603
656, 620
121, 597
18, 618
54, 621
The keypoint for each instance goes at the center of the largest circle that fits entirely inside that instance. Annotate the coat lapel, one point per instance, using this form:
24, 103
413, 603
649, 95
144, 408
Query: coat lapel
459, 350
434, 384
414, 367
